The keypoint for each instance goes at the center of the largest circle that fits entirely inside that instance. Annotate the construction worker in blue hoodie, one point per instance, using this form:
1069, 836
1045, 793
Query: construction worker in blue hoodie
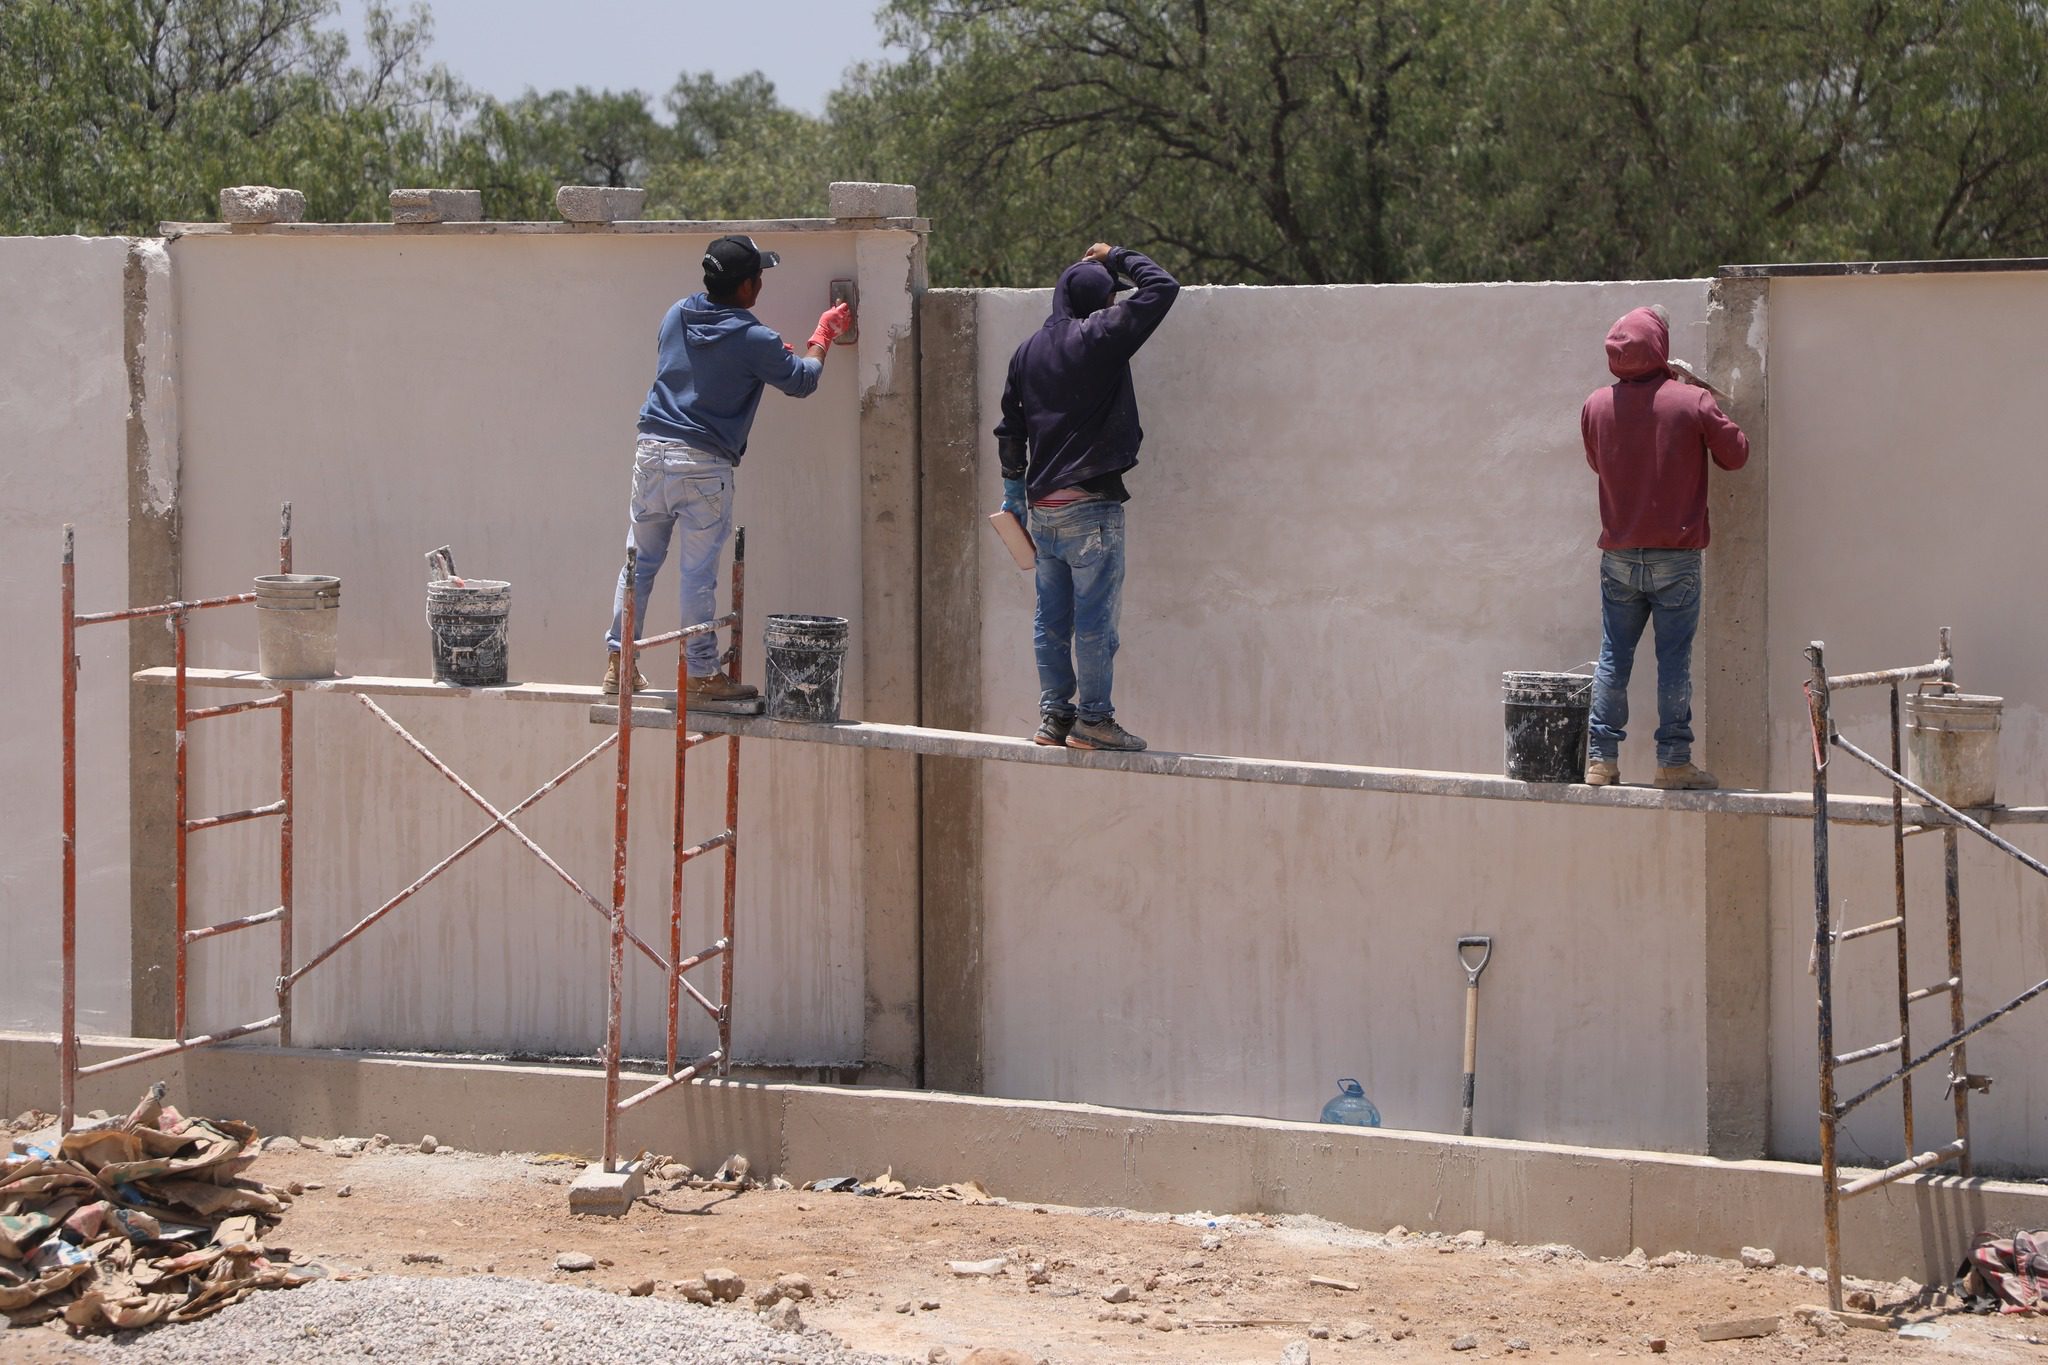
1068, 436
714, 359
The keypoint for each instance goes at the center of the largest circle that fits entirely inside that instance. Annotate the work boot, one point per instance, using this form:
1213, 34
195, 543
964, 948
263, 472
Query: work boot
1053, 730
1102, 734
1603, 772
1685, 778
718, 687
611, 677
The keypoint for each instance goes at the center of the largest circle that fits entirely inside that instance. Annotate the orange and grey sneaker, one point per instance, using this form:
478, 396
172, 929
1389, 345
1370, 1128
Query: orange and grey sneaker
1602, 772
1685, 778
1103, 734
718, 687
1053, 730
611, 677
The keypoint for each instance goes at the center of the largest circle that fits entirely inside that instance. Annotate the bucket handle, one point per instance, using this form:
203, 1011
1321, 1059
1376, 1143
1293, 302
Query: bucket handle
1941, 685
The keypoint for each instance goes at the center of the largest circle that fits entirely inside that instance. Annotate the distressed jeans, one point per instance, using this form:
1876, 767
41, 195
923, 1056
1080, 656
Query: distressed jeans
1659, 588
1080, 591
677, 488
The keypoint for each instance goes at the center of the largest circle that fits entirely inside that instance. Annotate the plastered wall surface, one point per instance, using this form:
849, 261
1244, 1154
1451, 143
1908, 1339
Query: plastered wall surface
482, 391
1356, 508
1906, 491
63, 457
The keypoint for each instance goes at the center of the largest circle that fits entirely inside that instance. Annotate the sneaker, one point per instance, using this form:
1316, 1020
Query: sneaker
718, 687
1103, 734
1602, 772
611, 677
1685, 778
1053, 730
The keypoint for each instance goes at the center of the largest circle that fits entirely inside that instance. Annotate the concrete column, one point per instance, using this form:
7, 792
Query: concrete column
150, 355
952, 692
890, 272
1732, 697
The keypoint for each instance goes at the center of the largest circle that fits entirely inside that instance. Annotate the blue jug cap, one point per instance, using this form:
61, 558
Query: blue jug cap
1350, 1086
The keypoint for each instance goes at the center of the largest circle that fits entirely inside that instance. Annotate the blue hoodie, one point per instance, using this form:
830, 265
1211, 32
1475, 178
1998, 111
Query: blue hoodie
713, 363
1070, 415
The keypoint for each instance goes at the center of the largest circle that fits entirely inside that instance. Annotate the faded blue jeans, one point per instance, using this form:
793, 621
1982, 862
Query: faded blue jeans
677, 487
1659, 588
1080, 591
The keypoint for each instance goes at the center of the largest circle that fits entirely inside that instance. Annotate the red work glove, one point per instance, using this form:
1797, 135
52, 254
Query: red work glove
832, 324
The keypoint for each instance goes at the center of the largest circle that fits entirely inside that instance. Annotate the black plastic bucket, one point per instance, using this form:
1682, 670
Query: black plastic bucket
469, 621
1547, 721
806, 662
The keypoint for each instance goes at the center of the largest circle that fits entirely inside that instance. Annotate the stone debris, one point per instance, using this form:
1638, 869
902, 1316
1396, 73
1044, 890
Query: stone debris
785, 1317
1759, 1258
1211, 1242
599, 203
1117, 1293
430, 1144
1635, 1258
1295, 1353
184, 1239
1860, 1300
422, 1258
436, 206
1670, 1260
1657, 1345
1471, 1237
261, 204
575, 1260
1814, 1315
1318, 1334
1518, 1344
725, 1286
1736, 1329
993, 1266
1036, 1273
1465, 1343
1397, 1232
928, 1305
344, 1192
790, 1286
906, 1306
1328, 1282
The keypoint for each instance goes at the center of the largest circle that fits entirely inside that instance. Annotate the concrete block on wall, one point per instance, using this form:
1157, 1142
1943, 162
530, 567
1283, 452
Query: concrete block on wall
864, 199
437, 206
598, 203
261, 204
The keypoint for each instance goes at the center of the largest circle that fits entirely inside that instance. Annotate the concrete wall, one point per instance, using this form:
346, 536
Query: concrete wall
64, 409
481, 390
1357, 507
1905, 496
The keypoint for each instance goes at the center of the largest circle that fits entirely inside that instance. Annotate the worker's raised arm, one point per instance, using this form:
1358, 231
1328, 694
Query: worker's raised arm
1725, 441
775, 365
1130, 321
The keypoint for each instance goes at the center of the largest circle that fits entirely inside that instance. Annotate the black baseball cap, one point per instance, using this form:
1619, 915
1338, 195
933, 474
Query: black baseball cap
733, 259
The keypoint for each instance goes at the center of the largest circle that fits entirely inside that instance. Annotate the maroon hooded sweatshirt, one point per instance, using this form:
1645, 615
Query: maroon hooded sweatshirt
1648, 437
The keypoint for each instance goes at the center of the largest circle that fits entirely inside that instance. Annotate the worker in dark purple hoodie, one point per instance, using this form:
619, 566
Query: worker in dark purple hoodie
1649, 437
1069, 434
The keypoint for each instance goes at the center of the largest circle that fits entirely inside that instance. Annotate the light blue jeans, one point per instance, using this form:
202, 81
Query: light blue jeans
1080, 592
1660, 588
677, 487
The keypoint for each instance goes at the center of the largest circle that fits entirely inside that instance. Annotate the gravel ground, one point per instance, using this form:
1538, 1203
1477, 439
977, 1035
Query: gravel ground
426, 1321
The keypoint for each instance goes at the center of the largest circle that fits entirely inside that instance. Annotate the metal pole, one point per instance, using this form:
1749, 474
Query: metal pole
677, 853
68, 1045
284, 829
614, 1006
732, 809
1899, 888
1824, 956
1958, 1062
181, 830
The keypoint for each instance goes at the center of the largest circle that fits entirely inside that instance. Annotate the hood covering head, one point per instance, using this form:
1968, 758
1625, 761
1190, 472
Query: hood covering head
1639, 345
1084, 288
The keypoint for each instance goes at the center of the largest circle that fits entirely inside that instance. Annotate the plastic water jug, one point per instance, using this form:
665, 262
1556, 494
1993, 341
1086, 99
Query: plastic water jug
1351, 1106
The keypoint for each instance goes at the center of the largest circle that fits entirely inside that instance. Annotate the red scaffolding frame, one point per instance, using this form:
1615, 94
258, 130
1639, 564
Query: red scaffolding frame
673, 964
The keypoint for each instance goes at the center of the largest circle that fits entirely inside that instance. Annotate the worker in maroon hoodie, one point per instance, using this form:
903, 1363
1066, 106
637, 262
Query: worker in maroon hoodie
1649, 436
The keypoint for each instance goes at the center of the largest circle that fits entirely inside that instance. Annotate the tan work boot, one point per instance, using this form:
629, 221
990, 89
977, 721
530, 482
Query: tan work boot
1685, 778
611, 677
1603, 772
718, 687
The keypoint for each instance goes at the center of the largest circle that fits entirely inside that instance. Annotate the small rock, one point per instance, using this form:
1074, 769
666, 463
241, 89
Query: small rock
379, 1141
938, 1355
1211, 1242
1294, 1353
430, 1144
1397, 1232
1670, 1260
1465, 1343
1036, 1273
905, 1306
1517, 1344
928, 1305
778, 1183
421, 1258
344, 1192
1860, 1301
1193, 1263
965, 1269
316, 1185
296, 1187
784, 1317
694, 1292
575, 1260
725, 1286
1637, 1259
1759, 1258
1471, 1237
279, 1144
1401, 1334
1318, 1334
1331, 1282
641, 1289
1657, 1345
1163, 1324
793, 1286
1117, 1293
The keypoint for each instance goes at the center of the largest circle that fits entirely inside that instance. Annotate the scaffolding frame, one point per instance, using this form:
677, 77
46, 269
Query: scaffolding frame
1934, 813
181, 677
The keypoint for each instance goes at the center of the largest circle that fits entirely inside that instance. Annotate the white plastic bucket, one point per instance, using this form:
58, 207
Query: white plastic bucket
1952, 745
298, 621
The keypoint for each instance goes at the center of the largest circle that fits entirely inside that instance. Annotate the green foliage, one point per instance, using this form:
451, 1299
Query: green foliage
1262, 141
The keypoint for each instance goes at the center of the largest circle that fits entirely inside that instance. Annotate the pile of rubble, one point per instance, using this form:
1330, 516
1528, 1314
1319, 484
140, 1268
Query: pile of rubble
130, 1221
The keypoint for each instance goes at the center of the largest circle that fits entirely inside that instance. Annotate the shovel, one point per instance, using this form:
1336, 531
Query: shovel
1468, 945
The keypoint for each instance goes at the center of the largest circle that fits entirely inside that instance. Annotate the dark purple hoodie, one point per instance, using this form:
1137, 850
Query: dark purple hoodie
1070, 416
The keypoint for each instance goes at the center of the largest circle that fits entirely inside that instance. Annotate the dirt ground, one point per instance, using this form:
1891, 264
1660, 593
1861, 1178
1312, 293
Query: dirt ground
1227, 1289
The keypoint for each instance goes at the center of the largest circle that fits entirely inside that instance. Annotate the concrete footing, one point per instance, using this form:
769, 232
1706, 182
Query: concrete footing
605, 1192
1601, 1201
